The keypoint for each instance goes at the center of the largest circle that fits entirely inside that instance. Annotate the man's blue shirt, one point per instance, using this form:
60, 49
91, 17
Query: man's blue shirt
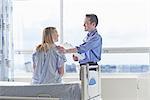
91, 48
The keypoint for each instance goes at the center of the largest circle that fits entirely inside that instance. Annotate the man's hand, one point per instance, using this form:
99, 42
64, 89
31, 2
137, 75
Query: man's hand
61, 49
75, 58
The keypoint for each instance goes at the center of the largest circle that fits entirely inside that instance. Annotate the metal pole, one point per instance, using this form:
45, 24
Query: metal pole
61, 21
84, 82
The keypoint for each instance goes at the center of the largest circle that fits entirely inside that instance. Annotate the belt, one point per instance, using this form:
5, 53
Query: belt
90, 63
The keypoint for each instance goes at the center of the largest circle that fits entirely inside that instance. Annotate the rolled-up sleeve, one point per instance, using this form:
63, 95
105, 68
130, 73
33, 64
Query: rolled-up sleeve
92, 43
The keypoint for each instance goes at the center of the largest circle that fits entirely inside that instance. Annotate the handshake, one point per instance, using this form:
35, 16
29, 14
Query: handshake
68, 48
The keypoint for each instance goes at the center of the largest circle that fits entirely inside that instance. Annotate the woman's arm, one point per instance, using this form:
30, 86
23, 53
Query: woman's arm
34, 66
61, 70
34, 60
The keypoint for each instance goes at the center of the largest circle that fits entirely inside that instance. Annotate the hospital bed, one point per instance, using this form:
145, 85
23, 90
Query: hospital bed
88, 89
61, 91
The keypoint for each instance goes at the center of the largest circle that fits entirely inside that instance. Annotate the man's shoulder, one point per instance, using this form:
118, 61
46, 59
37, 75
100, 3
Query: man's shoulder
97, 36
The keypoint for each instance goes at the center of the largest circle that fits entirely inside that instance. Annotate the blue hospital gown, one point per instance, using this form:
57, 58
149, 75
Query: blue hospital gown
46, 66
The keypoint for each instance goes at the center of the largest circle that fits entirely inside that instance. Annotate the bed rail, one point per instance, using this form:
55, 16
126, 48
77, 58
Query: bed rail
26, 98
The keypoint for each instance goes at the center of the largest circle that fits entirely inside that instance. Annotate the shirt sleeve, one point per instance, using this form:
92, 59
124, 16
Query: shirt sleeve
61, 59
34, 58
90, 44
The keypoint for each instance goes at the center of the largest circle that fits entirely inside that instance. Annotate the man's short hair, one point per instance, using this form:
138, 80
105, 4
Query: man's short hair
93, 18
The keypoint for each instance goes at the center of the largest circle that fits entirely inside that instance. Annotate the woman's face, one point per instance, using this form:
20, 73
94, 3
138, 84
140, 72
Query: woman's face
55, 36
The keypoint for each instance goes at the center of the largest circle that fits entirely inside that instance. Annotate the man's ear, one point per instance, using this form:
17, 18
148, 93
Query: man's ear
94, 24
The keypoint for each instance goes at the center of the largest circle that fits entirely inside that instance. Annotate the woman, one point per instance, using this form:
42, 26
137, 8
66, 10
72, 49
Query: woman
48, 62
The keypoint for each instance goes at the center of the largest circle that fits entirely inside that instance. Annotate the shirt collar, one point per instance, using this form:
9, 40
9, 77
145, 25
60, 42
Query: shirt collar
92, 33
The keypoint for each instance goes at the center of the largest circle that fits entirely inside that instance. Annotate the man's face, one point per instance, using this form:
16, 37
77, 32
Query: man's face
87, 24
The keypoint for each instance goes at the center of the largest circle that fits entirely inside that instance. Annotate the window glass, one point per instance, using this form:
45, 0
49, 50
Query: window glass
122, 23
30, 17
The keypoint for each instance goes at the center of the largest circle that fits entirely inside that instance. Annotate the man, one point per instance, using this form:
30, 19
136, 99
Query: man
92, 46
91, 49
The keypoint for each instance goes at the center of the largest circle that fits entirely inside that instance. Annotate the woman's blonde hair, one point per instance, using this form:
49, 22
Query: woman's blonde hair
47, 40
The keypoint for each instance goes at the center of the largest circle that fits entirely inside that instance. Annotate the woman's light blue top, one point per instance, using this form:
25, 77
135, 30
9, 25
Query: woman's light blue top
47, 65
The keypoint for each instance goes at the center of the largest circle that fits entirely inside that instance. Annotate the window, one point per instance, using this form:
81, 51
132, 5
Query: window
30, 17
122, 23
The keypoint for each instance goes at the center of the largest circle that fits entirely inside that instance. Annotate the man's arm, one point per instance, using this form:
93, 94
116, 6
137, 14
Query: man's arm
63, 50
71, 50
90, 44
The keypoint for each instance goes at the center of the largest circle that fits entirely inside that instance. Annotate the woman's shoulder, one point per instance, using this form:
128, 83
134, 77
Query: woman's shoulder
38, 54
56, 51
